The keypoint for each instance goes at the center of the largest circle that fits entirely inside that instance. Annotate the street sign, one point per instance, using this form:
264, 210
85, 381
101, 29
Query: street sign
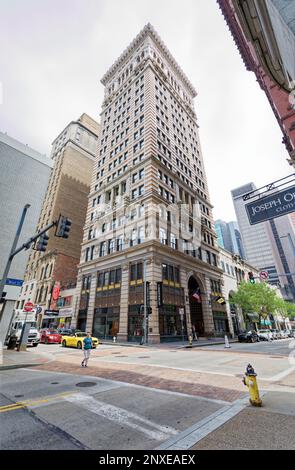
28, 307
263, 275
269, 207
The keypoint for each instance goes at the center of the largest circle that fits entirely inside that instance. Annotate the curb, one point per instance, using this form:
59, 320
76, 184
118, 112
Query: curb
18, 366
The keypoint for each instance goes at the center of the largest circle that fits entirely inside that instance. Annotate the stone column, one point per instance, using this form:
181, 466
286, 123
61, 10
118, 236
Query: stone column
76, 302
91, 303
153, 275
123, 323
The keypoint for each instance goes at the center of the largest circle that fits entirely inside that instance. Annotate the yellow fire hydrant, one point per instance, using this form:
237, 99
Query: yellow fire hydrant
251, 382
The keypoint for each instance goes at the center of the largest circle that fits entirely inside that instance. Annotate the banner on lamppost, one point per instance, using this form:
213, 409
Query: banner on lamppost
272, 206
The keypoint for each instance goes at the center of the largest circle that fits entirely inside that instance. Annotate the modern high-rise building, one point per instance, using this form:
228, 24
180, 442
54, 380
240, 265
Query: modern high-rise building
149, 214
73, 155
24, 177
268, 245
229, 237
264, 32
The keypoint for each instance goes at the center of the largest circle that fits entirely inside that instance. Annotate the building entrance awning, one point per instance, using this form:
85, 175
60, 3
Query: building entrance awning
253, 317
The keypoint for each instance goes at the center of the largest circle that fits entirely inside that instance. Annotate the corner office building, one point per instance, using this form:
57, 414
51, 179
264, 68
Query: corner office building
149, 214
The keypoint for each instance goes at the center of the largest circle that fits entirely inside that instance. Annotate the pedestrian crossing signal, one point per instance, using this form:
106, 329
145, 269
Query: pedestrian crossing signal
251, 277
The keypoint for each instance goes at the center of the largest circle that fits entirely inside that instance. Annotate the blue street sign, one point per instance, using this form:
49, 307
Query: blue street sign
14, 282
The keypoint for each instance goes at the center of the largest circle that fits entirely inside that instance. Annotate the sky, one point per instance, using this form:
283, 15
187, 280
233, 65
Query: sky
54, 53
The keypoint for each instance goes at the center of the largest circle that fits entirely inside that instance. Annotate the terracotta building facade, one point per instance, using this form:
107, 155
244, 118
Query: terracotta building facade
149, 215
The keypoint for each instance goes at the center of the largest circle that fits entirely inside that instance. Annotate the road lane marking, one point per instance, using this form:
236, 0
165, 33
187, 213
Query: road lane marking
33, 402
122, 416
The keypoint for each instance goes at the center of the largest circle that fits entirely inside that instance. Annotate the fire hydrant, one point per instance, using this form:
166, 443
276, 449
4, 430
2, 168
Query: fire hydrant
190, 341
250, 381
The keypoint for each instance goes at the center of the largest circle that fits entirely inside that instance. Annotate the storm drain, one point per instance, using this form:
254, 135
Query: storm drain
86, 384
54, 383
18, 396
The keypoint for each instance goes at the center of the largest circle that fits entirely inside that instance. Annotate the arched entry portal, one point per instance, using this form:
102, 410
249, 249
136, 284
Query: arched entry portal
195, 303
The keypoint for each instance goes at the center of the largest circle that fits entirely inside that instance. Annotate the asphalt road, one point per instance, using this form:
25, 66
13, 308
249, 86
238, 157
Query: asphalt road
57, 413
280, 347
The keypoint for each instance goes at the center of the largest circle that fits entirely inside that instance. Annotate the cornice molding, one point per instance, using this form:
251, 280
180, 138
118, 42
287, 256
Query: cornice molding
148, 30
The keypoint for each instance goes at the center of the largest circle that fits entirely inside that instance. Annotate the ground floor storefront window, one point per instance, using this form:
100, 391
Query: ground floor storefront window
170, 324
135, 324
221, 324
81, 321
106, 322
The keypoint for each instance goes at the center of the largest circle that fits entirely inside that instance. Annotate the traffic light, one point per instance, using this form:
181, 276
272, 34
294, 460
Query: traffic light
42, 243
148, 310
251, 278
2, 300
63, 227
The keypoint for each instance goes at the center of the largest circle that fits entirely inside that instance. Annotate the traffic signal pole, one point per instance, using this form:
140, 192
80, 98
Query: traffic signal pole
4, 322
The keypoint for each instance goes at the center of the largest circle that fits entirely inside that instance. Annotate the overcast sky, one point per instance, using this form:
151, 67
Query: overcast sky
54, 53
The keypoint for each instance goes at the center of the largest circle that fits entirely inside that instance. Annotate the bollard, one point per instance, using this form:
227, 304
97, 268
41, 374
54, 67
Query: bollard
251, 382
190, 341
226, 342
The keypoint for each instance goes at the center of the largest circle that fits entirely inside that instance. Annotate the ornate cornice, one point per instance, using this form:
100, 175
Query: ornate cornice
148, 30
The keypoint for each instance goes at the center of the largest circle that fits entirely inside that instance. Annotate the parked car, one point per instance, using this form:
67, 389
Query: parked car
67, 331
265, 335
249, 336
76, 340
276, 334
285, 334
49, 335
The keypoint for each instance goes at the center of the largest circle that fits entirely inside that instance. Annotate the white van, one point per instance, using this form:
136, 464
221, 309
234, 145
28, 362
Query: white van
20, 318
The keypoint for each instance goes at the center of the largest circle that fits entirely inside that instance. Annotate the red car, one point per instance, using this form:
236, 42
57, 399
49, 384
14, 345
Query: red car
50, 336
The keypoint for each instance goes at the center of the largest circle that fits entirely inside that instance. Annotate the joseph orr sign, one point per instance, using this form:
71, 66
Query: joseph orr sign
270, 207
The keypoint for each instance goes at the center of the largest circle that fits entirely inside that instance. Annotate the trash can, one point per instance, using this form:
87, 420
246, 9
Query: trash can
12, 342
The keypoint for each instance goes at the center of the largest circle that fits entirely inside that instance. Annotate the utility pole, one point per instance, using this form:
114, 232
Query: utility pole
4, 322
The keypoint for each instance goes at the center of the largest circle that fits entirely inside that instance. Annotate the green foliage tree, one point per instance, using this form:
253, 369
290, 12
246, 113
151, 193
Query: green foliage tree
259, 298
287, 309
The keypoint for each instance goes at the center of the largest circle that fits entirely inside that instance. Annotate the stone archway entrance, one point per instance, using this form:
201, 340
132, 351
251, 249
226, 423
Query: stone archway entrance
195, 303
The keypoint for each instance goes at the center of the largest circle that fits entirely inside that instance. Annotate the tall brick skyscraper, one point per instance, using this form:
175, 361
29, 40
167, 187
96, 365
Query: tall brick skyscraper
149, 213
73, 154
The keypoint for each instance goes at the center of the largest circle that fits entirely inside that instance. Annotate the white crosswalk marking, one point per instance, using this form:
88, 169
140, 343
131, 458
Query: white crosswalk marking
114, 413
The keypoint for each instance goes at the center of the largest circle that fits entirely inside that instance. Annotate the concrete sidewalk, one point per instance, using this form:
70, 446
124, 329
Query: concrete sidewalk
270, 427
173, 344
12, 359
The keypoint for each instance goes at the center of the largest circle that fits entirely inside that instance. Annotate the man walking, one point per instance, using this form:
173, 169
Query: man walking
87, 345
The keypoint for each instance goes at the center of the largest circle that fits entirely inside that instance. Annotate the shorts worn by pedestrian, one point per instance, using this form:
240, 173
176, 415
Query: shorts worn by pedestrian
87, 345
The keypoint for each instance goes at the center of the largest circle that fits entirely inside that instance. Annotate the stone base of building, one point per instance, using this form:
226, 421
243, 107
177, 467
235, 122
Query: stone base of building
153, 339
122, 338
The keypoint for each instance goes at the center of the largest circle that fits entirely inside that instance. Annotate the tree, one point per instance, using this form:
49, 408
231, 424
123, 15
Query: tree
259, 298
287, 309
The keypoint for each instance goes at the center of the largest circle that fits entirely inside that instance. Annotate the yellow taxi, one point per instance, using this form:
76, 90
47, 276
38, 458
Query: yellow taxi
76, 340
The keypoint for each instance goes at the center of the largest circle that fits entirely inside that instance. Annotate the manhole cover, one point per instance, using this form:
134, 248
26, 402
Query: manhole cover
86, 384
54, 383
118, 352
122, 356
18, 396
143, 357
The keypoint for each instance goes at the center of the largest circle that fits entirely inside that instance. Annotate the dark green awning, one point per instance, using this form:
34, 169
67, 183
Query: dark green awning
253, 317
